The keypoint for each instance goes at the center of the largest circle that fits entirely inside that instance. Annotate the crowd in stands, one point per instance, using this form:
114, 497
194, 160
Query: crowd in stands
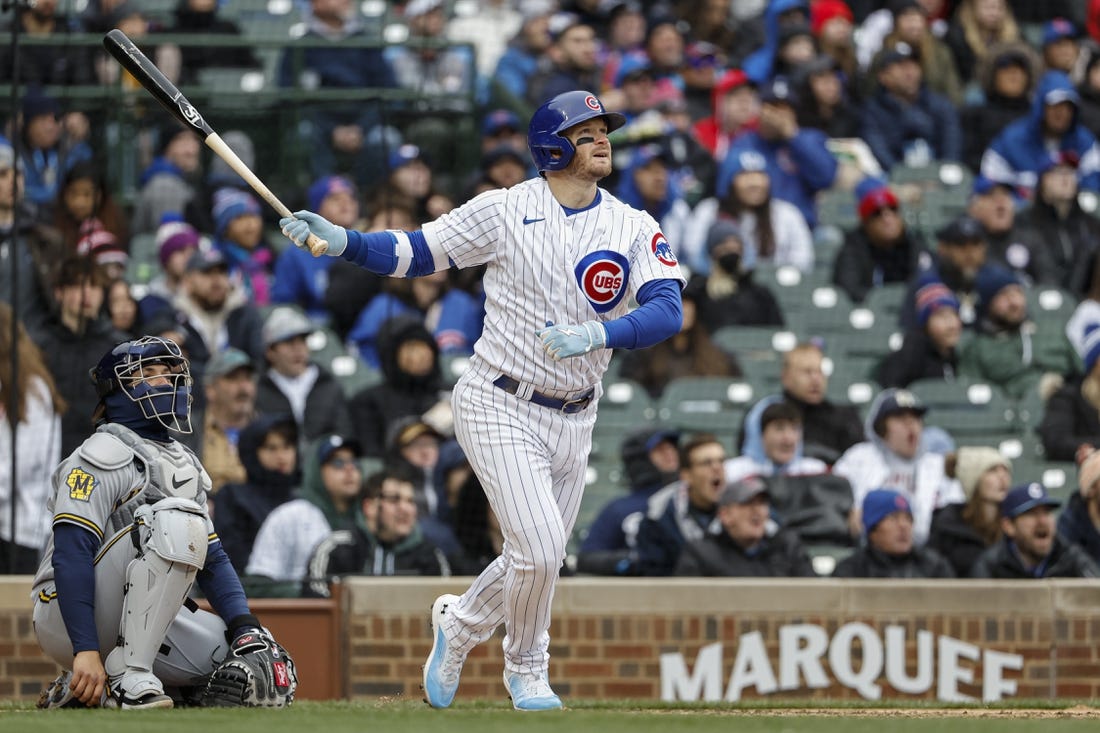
322, 391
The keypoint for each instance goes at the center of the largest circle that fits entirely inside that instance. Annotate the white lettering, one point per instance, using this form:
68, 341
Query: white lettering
994, 685
921, 682
840, 659
950, 673
801, 647
677, 684
752, 668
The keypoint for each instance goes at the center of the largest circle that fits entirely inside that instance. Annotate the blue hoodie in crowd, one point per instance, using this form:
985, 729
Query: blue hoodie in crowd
759, 65
1017, 154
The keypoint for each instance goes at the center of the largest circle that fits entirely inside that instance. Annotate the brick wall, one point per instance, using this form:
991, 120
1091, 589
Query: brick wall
608, 636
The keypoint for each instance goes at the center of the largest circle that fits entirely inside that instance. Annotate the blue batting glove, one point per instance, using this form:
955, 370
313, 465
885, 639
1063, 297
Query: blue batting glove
298, 227
563, 342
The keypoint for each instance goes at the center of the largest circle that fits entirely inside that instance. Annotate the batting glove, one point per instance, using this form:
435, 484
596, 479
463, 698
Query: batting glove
298, 227
562, 342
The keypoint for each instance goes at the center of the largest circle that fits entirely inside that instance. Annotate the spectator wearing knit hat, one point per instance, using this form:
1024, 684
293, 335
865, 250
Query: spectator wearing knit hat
1079, 522
929, 349
105, 251
1071, 422
832, 24
734, 108
175, 242
961, 532
239, 234
1031, 547
1007, 350
893, 456
1058, 230
881, 249
727, 294
84, 197
300, 278
889, 549
905, 122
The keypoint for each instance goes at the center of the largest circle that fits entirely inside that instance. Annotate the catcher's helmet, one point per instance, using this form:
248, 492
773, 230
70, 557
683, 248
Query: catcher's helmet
122, 383
544, 136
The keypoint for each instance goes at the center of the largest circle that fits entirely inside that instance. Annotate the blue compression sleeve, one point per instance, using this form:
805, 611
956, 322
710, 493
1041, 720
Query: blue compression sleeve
220, 584
377, 252
658, 316
74, 551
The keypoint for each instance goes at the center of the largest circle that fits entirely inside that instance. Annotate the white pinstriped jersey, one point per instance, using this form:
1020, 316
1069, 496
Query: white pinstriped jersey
545, 265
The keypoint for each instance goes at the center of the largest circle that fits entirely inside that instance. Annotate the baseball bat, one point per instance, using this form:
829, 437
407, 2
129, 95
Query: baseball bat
156, 83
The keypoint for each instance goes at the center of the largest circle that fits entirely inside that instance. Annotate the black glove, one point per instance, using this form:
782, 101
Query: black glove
257, 672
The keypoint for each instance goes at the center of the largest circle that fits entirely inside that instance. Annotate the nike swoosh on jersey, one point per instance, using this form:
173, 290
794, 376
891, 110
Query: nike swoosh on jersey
527, 221
177, 484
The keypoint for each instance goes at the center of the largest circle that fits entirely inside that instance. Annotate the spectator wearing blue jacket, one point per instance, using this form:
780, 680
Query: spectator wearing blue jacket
302, 279
1053, 126
905, 122
759, 65
796, 159
452, 315
521, 59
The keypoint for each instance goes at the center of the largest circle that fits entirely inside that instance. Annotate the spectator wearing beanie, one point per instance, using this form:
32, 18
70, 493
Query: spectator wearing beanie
1060, 45
1079, 522
105, 250
734, 109
728, 296
832, 24
889, 550
881, 250
176, 242
239, 234
1031, 547
1007, 78
929, 349
1071, 422
893, 456
961, 532
302, 279
1008, 350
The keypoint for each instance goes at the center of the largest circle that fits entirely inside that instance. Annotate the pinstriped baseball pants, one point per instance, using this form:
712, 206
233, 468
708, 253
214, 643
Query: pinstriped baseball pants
531, 461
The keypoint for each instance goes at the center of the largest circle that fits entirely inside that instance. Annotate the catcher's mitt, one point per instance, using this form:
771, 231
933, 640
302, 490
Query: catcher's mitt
257, 672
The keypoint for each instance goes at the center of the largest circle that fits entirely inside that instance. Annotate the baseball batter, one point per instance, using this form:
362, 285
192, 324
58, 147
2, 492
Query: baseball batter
130, 536
563, 259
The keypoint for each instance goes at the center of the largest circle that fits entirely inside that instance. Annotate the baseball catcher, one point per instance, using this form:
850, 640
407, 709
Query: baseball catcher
130, 537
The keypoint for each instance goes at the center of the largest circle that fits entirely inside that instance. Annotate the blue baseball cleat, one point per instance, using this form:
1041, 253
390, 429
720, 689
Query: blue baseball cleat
531, 692
444, 666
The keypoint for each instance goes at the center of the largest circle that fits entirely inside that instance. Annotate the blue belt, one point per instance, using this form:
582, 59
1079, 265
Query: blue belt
511, 386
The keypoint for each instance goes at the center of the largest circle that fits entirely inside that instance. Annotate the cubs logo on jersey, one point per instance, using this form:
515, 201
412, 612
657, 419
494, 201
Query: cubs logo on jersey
602, 276
663, 250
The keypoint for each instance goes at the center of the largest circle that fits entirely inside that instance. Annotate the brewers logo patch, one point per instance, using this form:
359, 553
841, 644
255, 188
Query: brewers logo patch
663, 250
81, 484
603, 276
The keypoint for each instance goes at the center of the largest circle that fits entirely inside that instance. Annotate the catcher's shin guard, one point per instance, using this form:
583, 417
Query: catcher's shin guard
156, 585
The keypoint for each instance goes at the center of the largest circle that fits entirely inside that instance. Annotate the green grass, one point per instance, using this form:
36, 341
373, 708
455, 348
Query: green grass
605, 717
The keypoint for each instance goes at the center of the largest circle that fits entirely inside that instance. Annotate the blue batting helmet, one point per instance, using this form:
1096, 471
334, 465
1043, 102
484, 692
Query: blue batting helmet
544, 137
130, 392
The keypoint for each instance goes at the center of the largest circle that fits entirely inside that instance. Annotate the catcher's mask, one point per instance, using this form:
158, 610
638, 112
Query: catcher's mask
153, 379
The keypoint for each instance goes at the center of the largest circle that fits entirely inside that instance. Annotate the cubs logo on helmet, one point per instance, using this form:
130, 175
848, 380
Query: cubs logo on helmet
603, 276
592, 103
663, 250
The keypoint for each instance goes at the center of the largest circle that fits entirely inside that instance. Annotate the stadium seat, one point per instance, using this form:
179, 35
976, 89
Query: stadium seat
826, 310
1050, 307
837, 207
144, 264
353, 374
452, 366
972, 412
625, 404
885, 301
759, 353
324, 345
707, 405
938, 175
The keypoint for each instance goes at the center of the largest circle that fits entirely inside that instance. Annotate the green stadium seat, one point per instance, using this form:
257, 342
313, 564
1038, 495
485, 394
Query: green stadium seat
144, 264
886, 301
827, 309
625, 405
1050, 307
353, 374
324, 345
948, 175
837, 207
707, 405
972, 412
759, 353
453, 366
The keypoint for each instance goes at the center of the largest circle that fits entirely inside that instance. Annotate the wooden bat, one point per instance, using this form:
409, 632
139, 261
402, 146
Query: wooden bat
165, 92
